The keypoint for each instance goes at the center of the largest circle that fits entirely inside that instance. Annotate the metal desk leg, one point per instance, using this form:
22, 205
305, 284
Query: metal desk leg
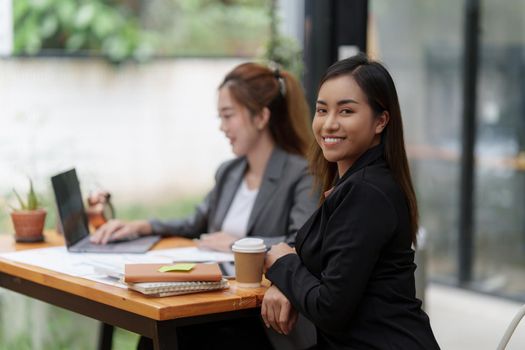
105, 336
165, 337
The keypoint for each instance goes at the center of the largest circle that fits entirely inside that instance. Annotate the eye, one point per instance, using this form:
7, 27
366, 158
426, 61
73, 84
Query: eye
346, 111
320, 110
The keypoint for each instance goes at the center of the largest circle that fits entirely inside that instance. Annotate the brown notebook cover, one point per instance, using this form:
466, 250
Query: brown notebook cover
135, 273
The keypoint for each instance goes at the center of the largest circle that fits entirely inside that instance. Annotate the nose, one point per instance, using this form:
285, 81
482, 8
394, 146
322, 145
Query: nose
331, 123
222, 126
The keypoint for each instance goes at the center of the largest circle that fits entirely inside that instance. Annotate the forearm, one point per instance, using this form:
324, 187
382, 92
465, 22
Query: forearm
309, 296
183, 228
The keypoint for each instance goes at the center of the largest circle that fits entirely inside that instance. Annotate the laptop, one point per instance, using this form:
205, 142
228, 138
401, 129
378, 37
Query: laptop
75, 224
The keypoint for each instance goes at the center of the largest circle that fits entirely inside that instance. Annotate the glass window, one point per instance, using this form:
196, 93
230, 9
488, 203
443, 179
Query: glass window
421, 43
499, 250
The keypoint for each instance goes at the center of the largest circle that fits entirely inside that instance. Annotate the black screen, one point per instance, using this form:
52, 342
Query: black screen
70, 206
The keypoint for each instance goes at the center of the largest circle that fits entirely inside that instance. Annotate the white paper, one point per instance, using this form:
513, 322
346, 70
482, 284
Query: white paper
97, 267
81, 264
190, 254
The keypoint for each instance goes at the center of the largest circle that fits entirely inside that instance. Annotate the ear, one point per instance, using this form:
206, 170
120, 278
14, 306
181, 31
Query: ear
262, 119
382, 122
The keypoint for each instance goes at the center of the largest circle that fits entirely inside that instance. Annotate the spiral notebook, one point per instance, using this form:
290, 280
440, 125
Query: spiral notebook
164, 289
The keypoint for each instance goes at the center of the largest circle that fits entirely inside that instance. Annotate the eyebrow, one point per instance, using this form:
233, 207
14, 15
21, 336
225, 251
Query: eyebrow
339, 103
225, 109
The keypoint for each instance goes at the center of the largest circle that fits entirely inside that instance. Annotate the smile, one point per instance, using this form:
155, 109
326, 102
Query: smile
332, 140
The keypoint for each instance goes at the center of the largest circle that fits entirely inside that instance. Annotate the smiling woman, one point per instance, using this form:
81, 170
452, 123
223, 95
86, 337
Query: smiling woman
345, 126
352, 270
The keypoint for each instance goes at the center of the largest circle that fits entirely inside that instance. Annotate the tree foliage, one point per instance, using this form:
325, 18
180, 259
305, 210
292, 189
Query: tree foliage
138, 29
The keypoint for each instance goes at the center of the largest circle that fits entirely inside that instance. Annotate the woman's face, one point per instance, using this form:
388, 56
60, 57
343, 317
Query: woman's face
344, 124
237, 124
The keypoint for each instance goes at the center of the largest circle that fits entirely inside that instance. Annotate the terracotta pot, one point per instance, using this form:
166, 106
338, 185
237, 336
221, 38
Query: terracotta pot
29, 225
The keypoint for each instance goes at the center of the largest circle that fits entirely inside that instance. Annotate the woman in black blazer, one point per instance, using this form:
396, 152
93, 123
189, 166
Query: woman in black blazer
352, 270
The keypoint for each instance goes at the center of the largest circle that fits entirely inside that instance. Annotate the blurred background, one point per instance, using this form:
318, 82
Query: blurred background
125, 91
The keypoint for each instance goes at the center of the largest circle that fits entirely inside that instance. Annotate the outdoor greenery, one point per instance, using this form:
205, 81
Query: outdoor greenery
139, 29
209, 27
280, 49
99, 26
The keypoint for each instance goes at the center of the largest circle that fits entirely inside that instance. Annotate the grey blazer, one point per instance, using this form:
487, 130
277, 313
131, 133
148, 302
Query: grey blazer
284, 201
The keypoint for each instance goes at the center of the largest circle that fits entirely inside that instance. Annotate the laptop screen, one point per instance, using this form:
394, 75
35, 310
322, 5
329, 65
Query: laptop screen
70, 206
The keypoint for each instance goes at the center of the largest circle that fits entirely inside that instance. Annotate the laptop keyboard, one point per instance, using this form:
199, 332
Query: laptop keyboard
85, 245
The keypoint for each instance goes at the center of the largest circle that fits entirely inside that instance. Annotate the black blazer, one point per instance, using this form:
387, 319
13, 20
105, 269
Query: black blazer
353, 276
284, 202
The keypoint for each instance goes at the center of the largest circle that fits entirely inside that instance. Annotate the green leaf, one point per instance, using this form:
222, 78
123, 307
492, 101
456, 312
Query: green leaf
49, 26
116, 48
33, 43
75, 42
20, 9
84, 16
32, 200
66, 12
104, 24
41, 4
20, 201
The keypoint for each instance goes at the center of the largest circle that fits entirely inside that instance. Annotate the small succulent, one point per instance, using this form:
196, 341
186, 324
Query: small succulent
32, 202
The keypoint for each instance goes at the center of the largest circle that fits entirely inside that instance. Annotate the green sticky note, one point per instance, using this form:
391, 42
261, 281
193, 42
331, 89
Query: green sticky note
176, 267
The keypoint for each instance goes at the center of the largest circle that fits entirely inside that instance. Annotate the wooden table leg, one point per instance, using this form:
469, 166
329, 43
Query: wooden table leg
105, 336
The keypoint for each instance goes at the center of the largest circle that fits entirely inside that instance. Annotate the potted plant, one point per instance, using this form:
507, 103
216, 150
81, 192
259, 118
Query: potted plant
29, 219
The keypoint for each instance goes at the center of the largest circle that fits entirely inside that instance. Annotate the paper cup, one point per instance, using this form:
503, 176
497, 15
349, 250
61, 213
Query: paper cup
249, 260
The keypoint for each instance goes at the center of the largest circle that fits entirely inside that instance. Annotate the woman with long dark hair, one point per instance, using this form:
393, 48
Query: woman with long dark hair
352, 270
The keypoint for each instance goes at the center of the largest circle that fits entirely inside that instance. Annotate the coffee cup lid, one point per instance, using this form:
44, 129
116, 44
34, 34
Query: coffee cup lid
249, 245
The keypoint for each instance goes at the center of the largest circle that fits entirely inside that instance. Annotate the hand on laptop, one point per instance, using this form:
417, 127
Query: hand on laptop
115, 230
216, 241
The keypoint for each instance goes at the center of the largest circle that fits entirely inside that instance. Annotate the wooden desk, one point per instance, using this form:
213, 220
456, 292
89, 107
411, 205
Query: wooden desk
155, 318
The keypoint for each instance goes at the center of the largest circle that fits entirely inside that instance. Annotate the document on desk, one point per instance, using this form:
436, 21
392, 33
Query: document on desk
105, 268
85, 265
191, 254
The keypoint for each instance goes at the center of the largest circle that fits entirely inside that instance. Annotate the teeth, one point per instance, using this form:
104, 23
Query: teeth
332, 139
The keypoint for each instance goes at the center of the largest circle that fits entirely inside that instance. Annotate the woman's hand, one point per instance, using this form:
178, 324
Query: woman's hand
277, 312
217, 241
276, 252
115, 230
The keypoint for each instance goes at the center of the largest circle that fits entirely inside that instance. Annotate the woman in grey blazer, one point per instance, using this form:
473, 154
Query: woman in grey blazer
265, 192
283, 202
264, 114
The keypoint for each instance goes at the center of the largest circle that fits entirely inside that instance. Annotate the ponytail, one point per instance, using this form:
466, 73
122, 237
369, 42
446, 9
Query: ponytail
256, 87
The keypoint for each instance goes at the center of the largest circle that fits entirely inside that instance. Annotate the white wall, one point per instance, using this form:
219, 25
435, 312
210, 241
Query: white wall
141, 131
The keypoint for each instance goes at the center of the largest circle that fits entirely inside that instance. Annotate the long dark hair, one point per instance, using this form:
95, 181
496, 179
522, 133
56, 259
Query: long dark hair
378, 86
256, 86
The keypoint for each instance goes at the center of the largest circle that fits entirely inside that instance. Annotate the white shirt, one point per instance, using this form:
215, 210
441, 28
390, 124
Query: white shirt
236, 220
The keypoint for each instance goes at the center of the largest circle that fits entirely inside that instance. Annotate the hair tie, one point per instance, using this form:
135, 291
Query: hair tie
280, 80
276, 72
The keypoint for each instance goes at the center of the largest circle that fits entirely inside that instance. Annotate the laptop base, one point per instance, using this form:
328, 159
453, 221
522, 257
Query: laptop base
136, 246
